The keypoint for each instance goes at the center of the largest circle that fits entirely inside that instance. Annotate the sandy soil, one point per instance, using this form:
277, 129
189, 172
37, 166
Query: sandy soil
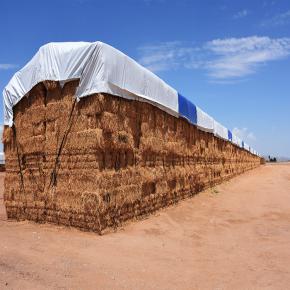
235, 236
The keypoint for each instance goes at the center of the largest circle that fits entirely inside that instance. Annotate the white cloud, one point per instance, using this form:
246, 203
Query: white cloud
244, 134
278, 19
238, 57
241, 14
223, 59
5, 66
166, 55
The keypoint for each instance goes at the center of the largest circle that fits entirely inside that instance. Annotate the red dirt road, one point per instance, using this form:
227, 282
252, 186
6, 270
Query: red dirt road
235, 236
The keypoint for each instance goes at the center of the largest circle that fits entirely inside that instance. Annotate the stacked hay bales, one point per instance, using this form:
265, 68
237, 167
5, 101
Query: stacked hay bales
99, 162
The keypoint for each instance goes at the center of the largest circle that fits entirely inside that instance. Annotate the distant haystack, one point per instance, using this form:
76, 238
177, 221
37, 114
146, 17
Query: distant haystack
96, 140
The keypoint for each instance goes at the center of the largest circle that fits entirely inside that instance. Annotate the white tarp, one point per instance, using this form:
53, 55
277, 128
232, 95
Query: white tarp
246, 147
220, 130
100, 68
236, 140
204, 121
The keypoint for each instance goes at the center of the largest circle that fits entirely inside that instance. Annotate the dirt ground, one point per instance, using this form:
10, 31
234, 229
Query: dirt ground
235, 236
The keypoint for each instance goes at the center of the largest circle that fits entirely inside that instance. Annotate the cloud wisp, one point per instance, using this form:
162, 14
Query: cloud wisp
222, 59
278, 19
244, 134
166, 55
241, 14
239, 57
6, 66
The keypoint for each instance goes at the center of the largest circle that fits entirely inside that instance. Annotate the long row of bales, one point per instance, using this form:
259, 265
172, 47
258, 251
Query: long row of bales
105, 159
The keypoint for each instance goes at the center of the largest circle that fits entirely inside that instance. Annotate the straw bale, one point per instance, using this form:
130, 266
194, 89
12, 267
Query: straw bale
92, 138
110, 122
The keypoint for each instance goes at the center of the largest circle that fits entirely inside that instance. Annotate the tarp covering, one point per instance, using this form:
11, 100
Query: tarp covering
204, 121
230, 135
236, 140
246, 146
104, 69
100, 68
220, 130
187, 109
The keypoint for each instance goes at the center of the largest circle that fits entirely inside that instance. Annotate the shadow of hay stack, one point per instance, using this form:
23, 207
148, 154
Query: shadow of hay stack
104, 160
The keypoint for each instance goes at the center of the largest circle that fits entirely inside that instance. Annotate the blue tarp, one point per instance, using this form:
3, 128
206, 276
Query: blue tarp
187, 109
230, 135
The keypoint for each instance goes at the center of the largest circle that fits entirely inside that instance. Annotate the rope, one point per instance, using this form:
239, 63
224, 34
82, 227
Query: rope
19, 160
54, 172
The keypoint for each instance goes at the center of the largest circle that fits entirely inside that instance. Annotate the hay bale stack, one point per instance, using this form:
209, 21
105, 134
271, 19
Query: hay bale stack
99, 162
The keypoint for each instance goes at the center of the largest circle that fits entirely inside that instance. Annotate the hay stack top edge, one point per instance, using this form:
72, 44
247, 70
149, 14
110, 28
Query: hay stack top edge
101, 68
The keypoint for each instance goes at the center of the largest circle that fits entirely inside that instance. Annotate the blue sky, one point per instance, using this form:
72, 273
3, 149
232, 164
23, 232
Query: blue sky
231, 58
